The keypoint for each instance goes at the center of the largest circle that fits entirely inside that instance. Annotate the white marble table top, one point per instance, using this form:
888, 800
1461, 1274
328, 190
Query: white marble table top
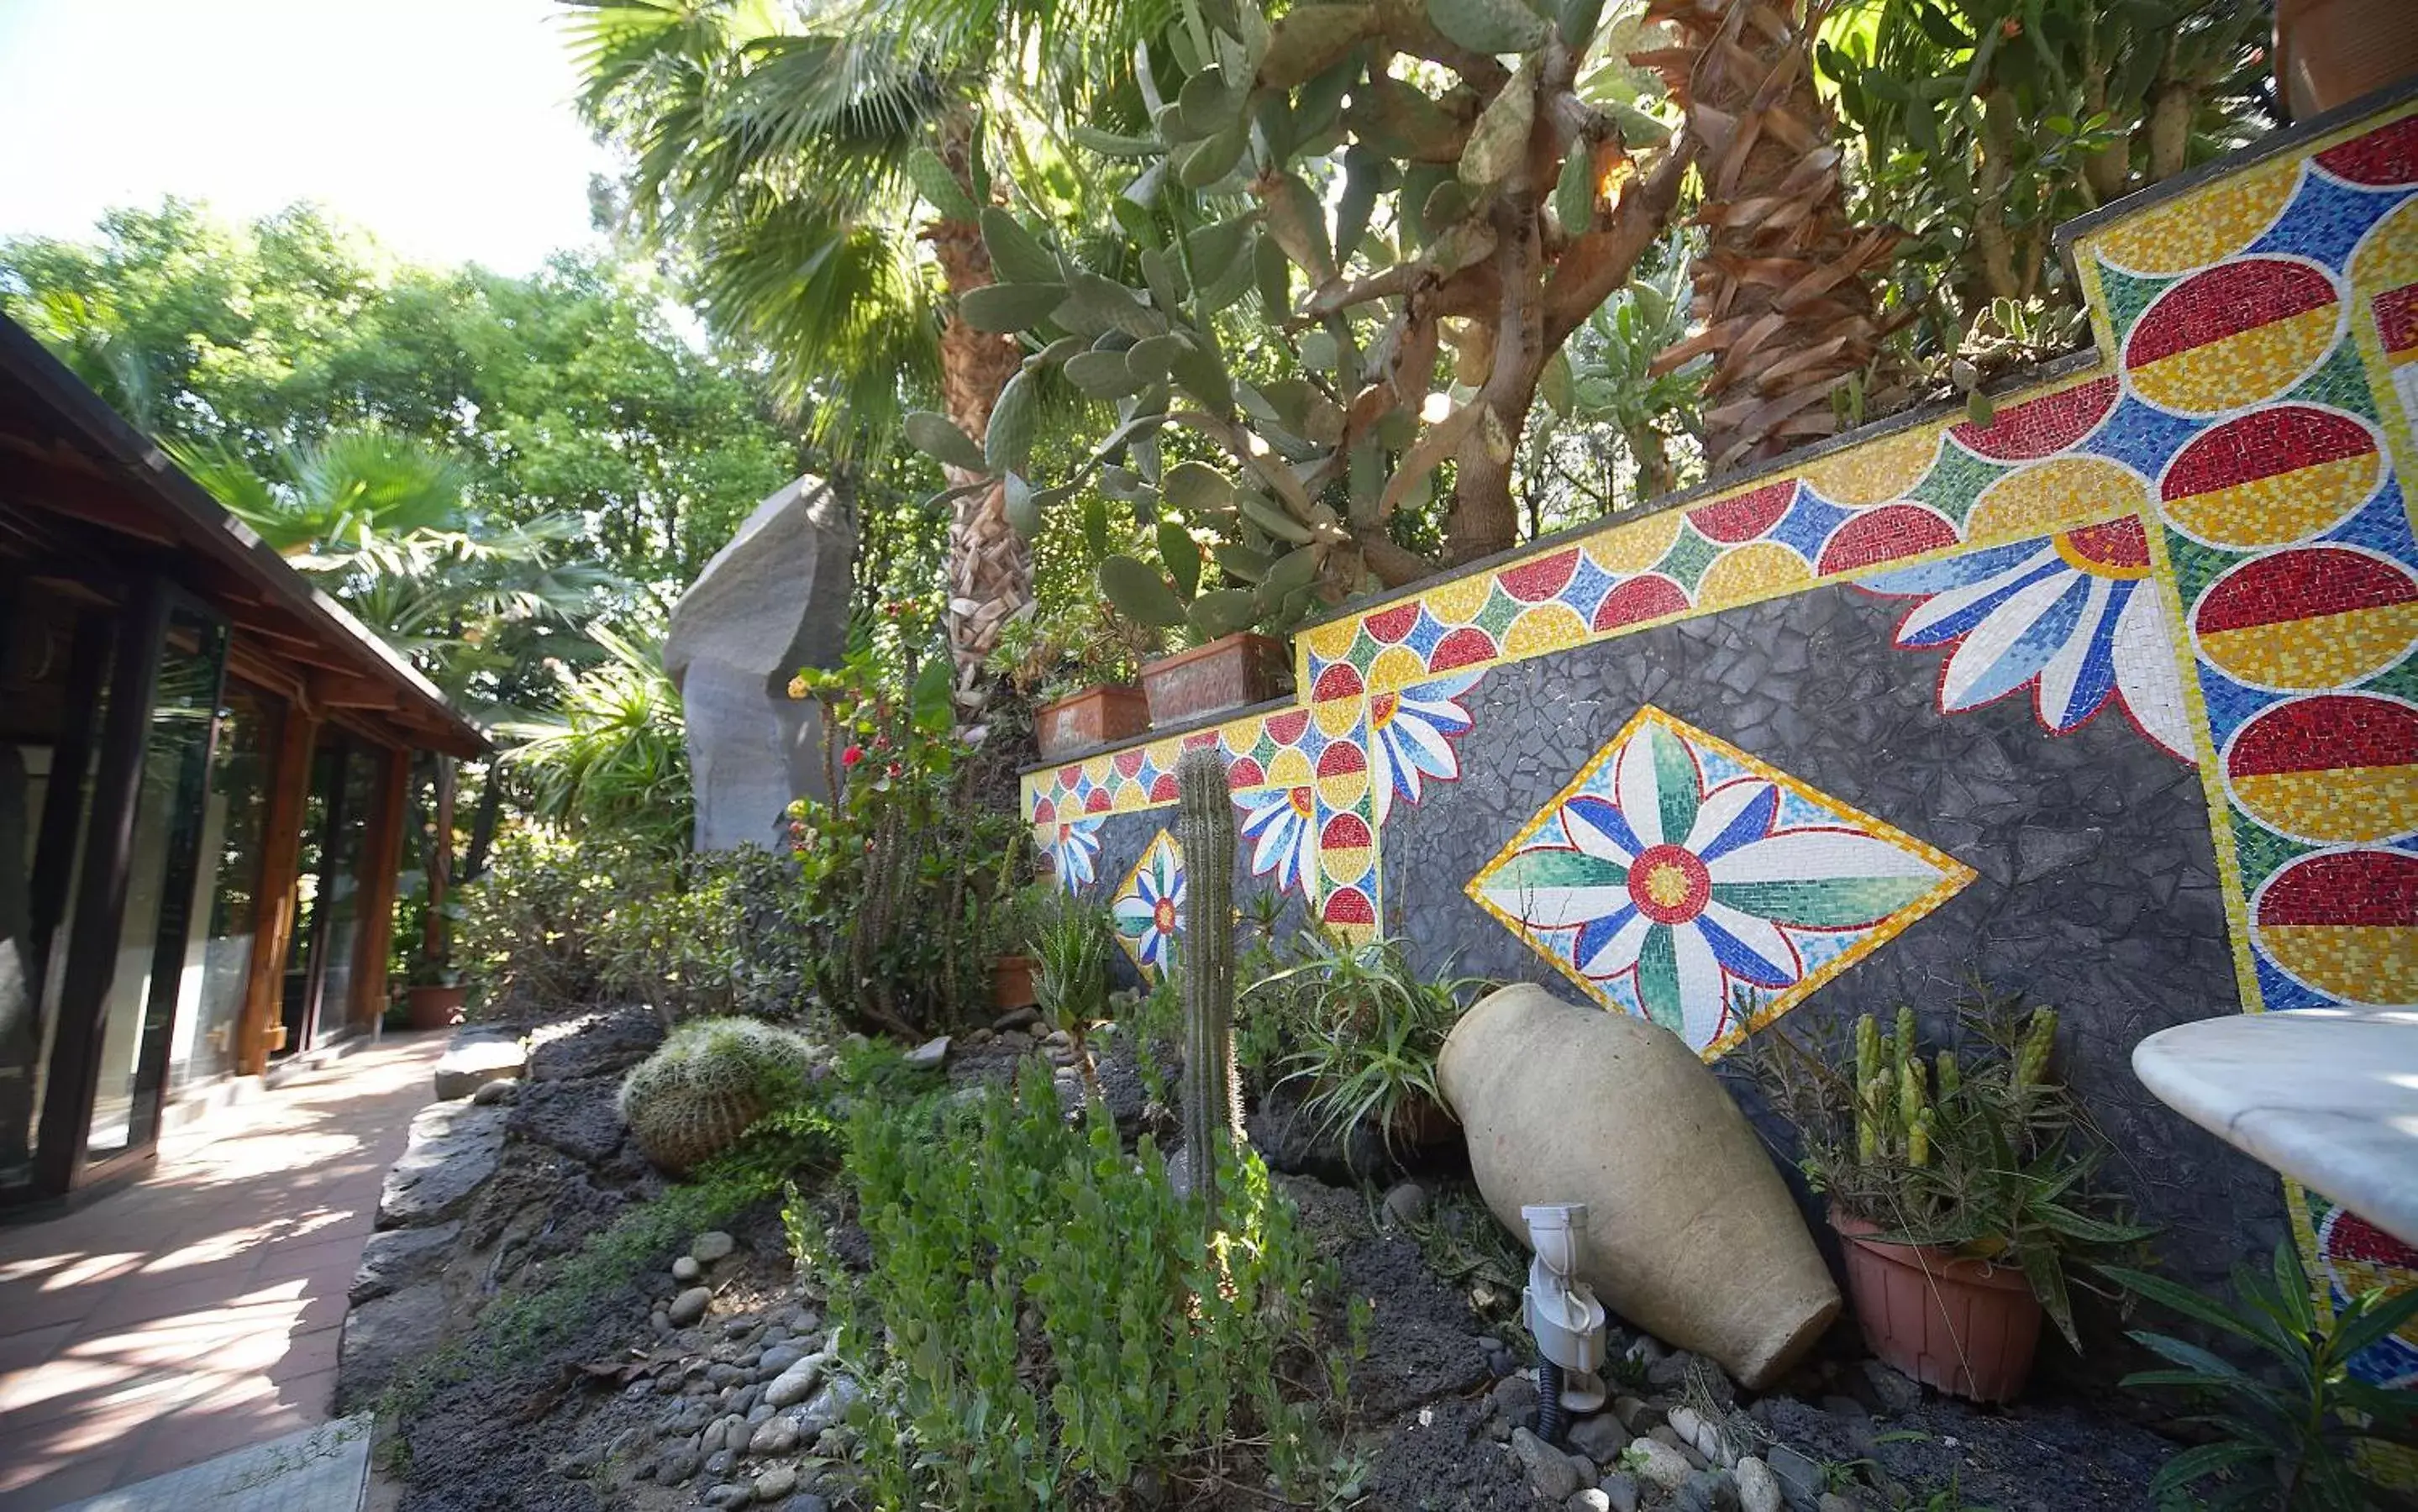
2328, 1096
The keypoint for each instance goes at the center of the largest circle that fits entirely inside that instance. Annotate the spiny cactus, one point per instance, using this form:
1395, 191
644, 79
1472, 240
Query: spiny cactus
1205, 828
696, 1095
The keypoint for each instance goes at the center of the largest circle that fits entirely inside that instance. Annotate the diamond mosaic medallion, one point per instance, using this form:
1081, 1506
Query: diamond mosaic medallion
1149, 905
1676, 876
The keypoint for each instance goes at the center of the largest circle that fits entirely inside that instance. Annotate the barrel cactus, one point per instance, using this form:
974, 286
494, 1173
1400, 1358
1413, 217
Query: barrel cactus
694, 1097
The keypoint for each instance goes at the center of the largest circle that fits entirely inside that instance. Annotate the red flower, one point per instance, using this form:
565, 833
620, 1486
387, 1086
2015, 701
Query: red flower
894, 769
851, 756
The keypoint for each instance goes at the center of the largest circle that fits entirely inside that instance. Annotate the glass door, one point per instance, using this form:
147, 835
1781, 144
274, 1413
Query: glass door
55, 656
138, 1009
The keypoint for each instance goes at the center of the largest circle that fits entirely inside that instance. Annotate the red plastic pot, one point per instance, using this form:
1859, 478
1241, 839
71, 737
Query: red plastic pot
1961, 1325
1095, 716
1228, 673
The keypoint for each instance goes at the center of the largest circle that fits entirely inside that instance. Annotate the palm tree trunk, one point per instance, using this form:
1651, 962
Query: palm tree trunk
990, 568
1785, 283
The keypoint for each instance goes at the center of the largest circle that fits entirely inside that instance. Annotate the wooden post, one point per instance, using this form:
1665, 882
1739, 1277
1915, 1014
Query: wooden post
281, 862
383, 854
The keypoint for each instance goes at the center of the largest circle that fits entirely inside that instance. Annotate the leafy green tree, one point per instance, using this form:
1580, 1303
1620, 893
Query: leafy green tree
566, 393
824, 168
1382, 186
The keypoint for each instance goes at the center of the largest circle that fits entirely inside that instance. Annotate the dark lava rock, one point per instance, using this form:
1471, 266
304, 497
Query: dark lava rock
395, 1257
579, 1118
601, 1045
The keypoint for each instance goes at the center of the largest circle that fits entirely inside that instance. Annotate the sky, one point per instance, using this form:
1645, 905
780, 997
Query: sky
443, 127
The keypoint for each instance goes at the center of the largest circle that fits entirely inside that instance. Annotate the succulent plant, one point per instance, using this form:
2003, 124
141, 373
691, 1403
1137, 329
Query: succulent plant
697, 1093
1205, 962
1487, 216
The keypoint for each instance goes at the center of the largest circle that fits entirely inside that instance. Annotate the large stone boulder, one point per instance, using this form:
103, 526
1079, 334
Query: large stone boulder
771, 602
1690, 1234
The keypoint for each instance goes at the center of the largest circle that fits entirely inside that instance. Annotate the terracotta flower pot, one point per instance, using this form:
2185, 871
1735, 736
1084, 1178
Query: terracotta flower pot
1011, 983
1096, 716
1228, 673
435, 1007
2329, 53
1964, 1326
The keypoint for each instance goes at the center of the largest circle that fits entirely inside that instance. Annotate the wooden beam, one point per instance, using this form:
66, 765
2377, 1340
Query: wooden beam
281, 861
383, 852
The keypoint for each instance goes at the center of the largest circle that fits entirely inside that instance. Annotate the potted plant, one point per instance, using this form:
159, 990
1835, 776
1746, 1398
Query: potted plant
1959, 1186
1233, 658
436, 994
1372, 1031
1079, 661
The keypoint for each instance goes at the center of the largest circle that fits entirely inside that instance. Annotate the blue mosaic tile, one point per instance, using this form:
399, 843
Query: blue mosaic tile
2142, 436
1808, 523
2325, 220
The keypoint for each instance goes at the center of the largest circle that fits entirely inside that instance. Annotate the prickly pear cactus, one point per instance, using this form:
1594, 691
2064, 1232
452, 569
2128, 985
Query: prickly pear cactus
694, 1097
1205, 975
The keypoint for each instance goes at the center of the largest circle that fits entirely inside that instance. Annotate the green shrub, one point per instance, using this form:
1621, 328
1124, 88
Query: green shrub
1056, 1322
529, 927
708, 935
697, 1093
2294, 1436
906, 873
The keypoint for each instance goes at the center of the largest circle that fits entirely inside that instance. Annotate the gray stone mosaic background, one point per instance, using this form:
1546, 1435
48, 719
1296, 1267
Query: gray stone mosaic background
2097, 893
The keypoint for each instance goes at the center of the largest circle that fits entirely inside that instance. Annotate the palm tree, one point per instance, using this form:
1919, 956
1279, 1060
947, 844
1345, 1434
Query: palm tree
386, 527
1785, 281
809, 160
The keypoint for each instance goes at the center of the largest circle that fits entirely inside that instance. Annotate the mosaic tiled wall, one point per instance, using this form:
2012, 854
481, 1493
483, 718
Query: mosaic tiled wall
2208, 535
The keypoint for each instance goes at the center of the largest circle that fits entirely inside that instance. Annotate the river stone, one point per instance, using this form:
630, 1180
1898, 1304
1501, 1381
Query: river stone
451, 1150
477, 1056
796, 1383
1801, 1478
930, 1054
503, 1089
774, 1435
772, 601
1658, 1464
677, 1465
830, 1406
777, 1359
686, 1269
1621, 1490
1588, 1499
690, 1305
710, 1245
775, 1483
1600, 1437
1758, 1488
399, 1256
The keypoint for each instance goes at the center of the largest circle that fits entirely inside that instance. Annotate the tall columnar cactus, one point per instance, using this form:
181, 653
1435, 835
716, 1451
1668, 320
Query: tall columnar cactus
1205, 828
696, 1095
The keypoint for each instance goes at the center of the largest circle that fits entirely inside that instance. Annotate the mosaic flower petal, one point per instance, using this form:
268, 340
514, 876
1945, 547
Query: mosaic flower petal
1149, 905
1411, 735
2070, 616
1074, 852
1281, 830
1676, 876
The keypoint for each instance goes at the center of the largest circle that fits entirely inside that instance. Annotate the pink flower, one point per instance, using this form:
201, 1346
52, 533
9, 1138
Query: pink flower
851, 756
894, 769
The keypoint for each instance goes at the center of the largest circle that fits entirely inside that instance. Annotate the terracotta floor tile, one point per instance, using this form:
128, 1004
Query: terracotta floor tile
198, 1311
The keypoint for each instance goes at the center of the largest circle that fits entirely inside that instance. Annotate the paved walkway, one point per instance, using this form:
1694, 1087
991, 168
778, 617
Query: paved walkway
198, 1311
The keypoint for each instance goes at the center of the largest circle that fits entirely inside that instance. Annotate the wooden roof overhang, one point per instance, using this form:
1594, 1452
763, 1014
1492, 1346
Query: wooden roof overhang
77, 480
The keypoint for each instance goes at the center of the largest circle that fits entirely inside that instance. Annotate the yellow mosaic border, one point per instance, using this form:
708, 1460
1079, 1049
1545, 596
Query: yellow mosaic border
1955, 876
